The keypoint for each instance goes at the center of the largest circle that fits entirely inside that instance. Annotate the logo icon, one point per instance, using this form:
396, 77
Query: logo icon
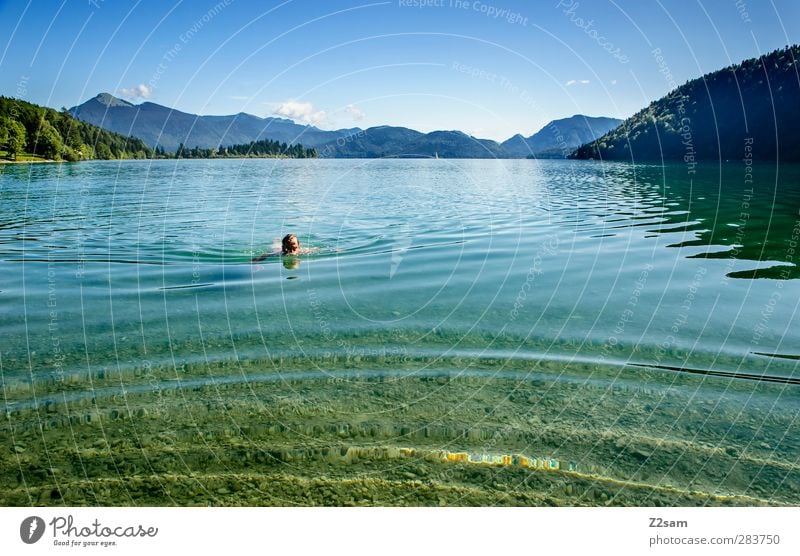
31, 529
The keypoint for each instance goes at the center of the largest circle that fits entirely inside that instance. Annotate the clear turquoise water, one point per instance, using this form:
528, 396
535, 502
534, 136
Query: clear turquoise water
637, 323
416, 265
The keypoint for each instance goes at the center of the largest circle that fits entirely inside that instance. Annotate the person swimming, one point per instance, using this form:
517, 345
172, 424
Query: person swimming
290, 245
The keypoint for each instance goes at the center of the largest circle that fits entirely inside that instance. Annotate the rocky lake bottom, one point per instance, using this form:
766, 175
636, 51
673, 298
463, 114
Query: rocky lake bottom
357, 437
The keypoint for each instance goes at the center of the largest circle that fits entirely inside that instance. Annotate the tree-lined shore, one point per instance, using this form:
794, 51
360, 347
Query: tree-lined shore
264, 148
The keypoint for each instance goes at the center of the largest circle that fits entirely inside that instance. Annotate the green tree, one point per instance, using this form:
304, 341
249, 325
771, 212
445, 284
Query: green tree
3, 131
70, 155
86, 152
15, 137
73, 135
48, 141
104, 152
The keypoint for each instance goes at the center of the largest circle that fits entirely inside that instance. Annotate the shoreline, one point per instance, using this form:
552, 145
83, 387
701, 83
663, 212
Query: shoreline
642, 163
31, 161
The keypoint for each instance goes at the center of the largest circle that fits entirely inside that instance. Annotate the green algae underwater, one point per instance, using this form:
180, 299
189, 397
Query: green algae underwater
462, 333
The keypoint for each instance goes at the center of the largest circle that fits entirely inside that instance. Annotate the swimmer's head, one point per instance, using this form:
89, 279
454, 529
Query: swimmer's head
290, 244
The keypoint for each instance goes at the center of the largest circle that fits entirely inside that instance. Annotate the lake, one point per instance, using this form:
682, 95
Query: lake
625, 334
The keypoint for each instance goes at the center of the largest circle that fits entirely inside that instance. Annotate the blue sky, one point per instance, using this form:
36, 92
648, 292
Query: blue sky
492, 68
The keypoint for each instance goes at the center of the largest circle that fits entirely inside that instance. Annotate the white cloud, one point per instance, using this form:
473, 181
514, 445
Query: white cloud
572, 82
613, 81
355, 112
303, 111
139, 91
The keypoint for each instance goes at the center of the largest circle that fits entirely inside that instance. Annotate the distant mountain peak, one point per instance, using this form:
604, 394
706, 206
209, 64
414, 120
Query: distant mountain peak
558, 137
168, 128
110, 100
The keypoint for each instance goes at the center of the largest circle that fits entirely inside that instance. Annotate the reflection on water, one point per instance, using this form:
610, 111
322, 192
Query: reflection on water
119, 279
737, 215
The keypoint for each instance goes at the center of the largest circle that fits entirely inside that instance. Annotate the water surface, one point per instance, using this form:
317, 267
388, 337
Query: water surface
600, 276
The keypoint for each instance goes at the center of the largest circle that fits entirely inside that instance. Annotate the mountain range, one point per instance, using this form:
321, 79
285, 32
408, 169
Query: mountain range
161, 126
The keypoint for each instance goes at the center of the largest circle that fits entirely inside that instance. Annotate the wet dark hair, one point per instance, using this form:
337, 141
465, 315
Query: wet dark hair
285, 243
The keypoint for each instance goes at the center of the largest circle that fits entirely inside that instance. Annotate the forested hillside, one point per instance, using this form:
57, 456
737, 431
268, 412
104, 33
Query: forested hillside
54, 135
750, 109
